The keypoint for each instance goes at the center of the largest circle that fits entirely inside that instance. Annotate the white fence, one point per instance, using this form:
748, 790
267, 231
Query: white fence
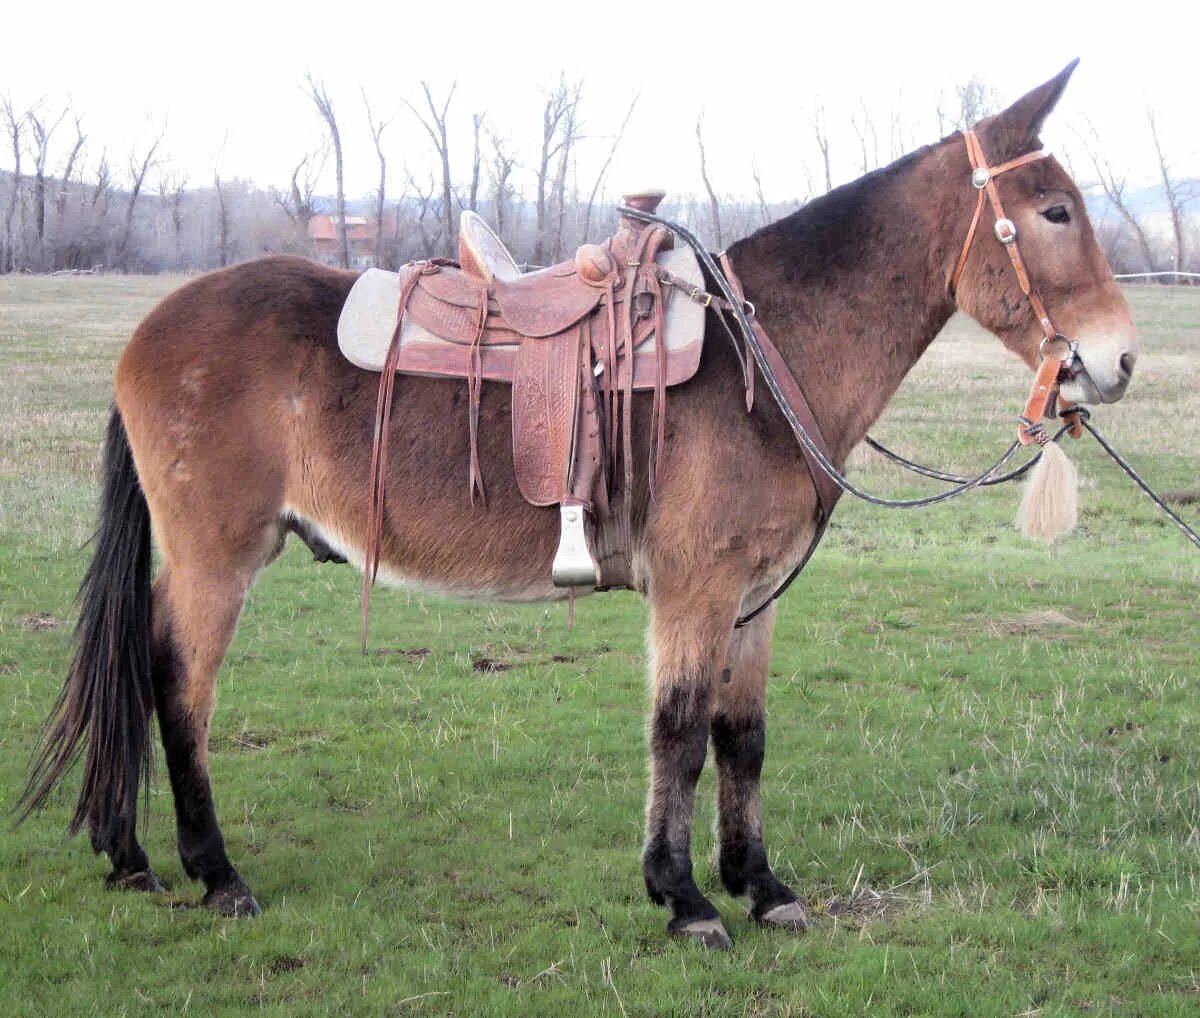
1154, 275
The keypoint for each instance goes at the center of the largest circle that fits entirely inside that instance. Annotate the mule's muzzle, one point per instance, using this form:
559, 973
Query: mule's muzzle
1097, 376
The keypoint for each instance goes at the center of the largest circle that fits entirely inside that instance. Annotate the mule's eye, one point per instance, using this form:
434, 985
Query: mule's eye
1057, 214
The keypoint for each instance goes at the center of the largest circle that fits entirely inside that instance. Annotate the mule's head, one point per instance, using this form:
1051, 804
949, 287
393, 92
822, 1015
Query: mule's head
1066, 268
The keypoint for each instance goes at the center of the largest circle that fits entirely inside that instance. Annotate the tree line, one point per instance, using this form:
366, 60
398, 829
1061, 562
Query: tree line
70, 205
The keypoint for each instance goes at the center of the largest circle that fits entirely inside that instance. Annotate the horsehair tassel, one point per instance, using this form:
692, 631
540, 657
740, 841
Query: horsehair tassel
1050, 506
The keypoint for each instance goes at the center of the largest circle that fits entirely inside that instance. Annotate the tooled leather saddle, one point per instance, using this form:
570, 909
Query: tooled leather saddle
573, 340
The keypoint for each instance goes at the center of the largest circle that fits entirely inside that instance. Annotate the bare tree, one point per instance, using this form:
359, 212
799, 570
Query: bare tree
299, 202
171, 191
976, 100
102, 189
558, 134
763, 210
612, 151
1171, 190
41, 129
377, 130
137, 173
570, 135
14, 127
320, 98
476, 162
821, 130
435, 127
223, 221
1114, 191
868, 139
424, 198
714, 205
502, 189
60, 202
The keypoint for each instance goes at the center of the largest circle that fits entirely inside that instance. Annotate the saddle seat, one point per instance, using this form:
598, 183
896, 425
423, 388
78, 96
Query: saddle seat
573, 341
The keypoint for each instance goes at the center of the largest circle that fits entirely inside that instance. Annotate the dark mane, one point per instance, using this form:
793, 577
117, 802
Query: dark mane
822, 230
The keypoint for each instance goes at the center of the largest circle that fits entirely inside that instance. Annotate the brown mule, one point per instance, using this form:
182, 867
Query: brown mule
237, 420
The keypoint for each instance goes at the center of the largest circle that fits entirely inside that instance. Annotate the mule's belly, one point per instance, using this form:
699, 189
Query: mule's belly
493, 573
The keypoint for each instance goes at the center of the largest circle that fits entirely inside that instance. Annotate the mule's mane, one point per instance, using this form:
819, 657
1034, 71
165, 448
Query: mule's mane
824, 228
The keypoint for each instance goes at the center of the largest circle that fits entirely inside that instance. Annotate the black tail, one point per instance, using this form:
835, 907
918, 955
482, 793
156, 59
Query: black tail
108, 696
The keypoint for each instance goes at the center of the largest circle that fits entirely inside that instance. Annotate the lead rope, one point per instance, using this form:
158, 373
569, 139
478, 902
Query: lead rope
1081, 419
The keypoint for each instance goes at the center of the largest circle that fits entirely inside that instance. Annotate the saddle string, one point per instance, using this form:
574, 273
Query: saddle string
474, 396
383, 418
658, 414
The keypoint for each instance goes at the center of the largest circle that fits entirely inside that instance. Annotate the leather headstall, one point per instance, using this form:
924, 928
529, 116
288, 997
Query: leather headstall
1056, 350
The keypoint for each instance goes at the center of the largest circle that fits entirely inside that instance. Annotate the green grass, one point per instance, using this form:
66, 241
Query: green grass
982, 767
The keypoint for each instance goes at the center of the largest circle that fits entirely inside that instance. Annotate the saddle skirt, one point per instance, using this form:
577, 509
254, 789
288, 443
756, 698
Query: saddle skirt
441, 321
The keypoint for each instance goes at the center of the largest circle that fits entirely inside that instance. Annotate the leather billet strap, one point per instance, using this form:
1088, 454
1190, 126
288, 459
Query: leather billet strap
1045, 384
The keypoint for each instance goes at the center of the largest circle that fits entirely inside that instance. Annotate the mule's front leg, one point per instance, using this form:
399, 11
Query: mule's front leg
739, 739
689, 642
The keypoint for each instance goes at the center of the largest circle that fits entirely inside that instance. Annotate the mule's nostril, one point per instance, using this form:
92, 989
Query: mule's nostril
1126, 364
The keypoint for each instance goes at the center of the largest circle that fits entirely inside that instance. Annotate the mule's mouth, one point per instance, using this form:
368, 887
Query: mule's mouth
1077, 385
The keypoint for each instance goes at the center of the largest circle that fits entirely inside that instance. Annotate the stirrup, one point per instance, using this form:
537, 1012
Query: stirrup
573, 563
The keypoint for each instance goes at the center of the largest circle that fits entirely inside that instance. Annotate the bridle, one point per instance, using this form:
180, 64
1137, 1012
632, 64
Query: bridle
1057, 351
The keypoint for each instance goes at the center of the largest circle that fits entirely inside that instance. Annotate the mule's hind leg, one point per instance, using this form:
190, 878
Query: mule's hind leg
690, 632
130, 864
739, 739
195, 616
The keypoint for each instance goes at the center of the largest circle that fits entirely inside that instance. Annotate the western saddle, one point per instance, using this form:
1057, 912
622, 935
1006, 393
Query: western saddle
573, 340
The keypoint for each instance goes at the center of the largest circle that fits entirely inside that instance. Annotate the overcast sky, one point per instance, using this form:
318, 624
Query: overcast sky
226, 80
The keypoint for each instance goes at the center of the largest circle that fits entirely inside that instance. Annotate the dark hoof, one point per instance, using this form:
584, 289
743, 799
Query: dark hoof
710, 932
233, 900
142, 880
791, 916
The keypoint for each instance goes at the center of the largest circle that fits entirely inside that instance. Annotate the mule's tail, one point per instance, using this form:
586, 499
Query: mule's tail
108, 695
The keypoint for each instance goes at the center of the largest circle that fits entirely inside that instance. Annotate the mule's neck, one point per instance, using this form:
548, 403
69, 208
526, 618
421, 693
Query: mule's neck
853, 287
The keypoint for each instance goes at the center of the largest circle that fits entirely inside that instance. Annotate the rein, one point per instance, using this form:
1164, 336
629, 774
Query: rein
792, 404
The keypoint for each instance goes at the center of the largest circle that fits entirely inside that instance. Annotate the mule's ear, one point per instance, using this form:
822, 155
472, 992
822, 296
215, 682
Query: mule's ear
1015, 131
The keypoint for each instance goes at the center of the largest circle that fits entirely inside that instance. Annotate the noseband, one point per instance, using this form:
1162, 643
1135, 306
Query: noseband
1056, 350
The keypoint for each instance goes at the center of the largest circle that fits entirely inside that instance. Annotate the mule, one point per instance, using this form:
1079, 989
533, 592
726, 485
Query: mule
237, 421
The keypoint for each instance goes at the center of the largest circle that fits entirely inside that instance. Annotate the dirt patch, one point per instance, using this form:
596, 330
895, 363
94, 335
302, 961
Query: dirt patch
1124, 729
240, 742
489, 665
863, 905
285, 963
1033, 622
40, 622
8, 668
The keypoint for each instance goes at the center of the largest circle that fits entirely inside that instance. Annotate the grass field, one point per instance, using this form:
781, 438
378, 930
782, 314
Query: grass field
982, 770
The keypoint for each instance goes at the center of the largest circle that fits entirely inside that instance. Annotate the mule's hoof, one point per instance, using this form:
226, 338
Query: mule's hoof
233, 900
791, 915
710, 932
142, 880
